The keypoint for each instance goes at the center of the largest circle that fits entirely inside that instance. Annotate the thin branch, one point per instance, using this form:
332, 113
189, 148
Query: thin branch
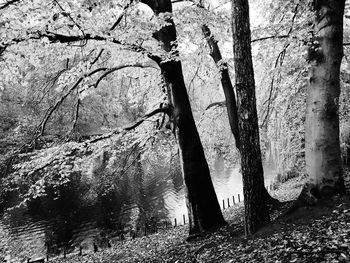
76, 114
216, 104
121, 15
60, 38
51, 110
166, 110
8, 3
268, 37
70, 17
279, 61
98, 56
111, 70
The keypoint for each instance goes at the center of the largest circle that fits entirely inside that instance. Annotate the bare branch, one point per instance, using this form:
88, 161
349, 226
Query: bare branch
269, 37
60, 38
70, 17
76, 114
98, 56
111, 70
166, 110
8, 3
121, 15
279, 61
51, 110
216, 104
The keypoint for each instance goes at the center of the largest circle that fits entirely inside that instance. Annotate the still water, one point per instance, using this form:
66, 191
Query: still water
35, 234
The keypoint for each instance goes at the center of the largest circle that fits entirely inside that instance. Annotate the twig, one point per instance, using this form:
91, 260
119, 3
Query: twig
71, 18
216, 104
8, 3
111, 70
166, 110
76, 115
121, 15
98, 56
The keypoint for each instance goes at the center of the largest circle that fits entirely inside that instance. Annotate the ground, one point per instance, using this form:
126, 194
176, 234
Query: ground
314, 234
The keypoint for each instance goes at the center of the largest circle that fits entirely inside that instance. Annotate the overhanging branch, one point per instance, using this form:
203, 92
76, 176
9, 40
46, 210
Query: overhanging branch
216, 104
167, 110
8, 3
60, 38
111, 70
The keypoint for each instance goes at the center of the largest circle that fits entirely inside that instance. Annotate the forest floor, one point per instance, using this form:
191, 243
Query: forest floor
314, 234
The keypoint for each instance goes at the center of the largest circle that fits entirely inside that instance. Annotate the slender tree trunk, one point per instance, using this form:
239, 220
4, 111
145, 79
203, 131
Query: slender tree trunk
203, 207
322, 147
226, 83
230, 96
256, 210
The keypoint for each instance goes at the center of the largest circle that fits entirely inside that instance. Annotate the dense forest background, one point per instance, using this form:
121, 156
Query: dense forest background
84, 102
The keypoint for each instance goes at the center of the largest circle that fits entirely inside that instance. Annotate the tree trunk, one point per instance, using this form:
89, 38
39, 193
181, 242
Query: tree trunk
322, 147
256, 210
230, 96
203, 207
226, 83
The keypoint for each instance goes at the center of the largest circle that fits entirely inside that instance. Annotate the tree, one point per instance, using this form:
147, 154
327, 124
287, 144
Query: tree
203, 207
68, 26
256, 211
323, 161
230, 98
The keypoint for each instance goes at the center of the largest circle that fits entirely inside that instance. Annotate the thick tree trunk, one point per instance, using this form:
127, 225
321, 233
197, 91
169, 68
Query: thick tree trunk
256, 210
226, 83
203, 207
322, 147
230, 96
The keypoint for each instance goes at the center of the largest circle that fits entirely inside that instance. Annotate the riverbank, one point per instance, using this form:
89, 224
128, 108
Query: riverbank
315, 234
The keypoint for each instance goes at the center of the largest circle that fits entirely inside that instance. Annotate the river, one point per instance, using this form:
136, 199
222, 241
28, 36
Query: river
31, 233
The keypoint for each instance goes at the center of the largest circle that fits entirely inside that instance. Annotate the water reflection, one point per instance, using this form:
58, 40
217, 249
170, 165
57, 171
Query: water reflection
49, 227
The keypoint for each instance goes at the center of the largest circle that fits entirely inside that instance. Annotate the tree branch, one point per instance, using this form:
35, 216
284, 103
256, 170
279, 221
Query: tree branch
97, 58
111, 70
76, 115
268, 37
60, 38
8, 3
216, 104
166, 110
279, 60
70, 17
51, 110
121, 15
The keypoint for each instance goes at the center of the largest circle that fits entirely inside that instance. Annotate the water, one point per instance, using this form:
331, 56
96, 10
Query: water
35, 234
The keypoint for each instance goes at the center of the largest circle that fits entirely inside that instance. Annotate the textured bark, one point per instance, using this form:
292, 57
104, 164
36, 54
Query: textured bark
256, 210
230, 97
226, 83
322, 147
203, 207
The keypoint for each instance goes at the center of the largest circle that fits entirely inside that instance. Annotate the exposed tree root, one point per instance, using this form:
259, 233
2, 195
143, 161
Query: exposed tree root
271, 202
308, 197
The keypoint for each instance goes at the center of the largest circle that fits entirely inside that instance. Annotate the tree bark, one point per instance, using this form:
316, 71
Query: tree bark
203, 208
322, 147
226, 83
230, 97
256, 210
